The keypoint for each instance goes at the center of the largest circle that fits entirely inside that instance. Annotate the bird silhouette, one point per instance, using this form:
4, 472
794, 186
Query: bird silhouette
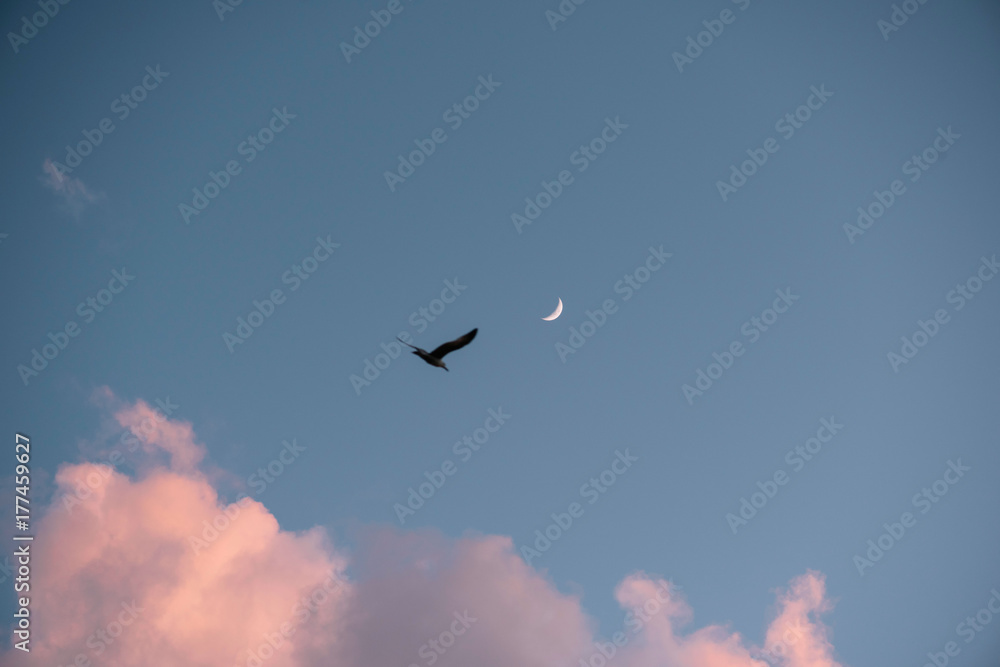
435, 356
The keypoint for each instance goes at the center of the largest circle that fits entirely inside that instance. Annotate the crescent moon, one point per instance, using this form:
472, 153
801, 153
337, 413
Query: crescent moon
555, 313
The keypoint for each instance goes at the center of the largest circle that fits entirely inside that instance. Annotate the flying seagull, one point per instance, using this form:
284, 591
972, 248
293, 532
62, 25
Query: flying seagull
434, 358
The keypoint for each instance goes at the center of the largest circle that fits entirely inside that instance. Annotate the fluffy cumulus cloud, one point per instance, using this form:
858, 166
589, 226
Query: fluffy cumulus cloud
154, 569
156, 433
795, 638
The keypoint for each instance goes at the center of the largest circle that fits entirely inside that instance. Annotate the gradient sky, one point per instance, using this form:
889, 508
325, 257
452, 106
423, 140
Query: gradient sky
654, 186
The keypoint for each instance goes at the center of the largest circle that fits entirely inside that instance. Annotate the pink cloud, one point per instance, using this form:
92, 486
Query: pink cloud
795, 638
792, 634
156, 432
130, 542
158, 570
75, 195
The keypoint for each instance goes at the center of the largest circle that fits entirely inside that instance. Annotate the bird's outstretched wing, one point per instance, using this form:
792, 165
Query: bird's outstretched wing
456, 344
408, 345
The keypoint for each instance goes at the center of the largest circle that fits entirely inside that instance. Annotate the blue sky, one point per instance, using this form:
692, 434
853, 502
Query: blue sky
322, 178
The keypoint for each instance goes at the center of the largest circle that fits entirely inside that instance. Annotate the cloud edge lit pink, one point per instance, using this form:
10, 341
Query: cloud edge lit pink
119, 582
